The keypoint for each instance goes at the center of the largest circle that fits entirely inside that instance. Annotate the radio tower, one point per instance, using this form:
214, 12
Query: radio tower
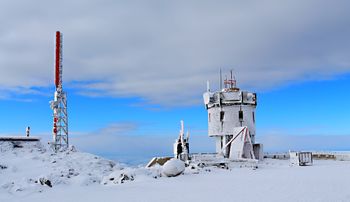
59, 104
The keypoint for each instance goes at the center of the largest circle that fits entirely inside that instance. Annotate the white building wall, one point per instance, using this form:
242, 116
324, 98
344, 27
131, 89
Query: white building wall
218, 127
223, 114
218, 143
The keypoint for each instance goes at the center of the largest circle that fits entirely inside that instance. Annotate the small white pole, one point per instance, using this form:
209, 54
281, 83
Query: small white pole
208, 86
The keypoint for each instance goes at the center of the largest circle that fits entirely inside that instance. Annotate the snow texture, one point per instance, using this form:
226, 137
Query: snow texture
30, 164
31, 172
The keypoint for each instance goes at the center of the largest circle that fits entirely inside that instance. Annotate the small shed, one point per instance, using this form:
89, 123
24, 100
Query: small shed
18, 139
158, 161
301, 158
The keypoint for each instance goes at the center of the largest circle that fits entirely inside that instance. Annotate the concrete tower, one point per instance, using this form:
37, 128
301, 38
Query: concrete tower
229, 110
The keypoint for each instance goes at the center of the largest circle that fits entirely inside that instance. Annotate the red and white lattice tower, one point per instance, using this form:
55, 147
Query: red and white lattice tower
59, 104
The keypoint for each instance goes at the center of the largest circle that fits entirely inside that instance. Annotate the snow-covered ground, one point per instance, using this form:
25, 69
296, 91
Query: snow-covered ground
77, 176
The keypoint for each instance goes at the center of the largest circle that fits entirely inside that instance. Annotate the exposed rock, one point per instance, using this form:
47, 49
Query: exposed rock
124, 177
3, 167
44, 181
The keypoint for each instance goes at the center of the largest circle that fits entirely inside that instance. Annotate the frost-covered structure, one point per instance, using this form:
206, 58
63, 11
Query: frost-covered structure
59, 104
229, 109
181, 145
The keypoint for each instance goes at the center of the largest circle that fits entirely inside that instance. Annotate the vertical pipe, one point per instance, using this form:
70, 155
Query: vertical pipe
231, 82
220, 80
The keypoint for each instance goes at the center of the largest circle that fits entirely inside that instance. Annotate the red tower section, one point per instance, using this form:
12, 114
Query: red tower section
59, 103
58, 64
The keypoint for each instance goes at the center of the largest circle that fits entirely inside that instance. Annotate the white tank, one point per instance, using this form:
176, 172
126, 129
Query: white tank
227, 109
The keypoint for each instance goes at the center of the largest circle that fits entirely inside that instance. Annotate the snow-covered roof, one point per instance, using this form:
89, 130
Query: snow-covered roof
18, 138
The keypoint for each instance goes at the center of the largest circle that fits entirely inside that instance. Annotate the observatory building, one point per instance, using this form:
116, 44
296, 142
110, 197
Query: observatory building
231, 118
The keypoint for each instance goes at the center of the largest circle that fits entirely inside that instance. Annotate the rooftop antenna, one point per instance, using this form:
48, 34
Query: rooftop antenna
234, 82
220, 79
59, 104
208, 86
231, 79
230, 82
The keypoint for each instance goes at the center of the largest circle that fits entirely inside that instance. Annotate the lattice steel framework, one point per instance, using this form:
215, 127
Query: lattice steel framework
59, 104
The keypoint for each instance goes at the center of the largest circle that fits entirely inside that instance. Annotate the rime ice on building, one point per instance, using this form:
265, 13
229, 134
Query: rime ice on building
231, 120
181, 145
59, 104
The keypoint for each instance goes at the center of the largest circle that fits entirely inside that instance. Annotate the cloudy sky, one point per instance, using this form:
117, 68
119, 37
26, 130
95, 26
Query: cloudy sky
133, 69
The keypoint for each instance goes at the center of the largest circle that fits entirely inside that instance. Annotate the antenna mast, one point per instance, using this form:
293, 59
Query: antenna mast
230, 82
220, 79
59, 104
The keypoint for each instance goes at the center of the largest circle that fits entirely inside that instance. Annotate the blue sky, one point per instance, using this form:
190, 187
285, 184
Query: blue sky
308, 108
134, 69
301, 115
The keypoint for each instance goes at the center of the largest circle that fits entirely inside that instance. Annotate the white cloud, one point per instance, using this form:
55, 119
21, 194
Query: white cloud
121, 141
318, 137
283, 143
165, 51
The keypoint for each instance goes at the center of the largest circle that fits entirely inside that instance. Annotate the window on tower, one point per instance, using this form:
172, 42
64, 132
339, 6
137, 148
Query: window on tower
240, 115
253, 117
222, 115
